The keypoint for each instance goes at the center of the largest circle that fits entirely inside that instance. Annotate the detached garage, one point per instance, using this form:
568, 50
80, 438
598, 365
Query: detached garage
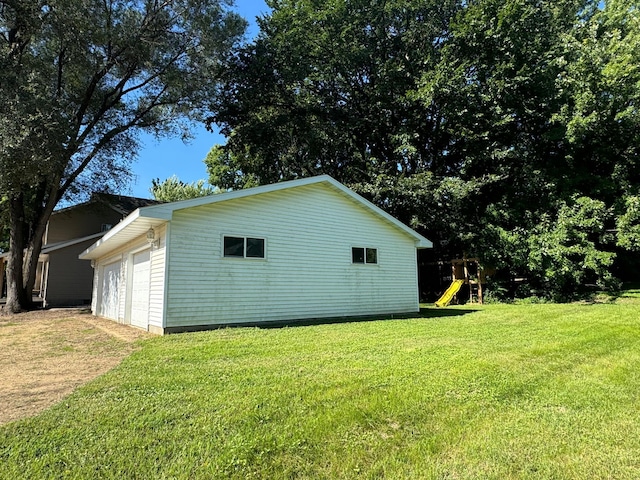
295, 250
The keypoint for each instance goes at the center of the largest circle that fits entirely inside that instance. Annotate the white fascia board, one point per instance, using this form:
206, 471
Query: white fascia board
68, 243
111, 233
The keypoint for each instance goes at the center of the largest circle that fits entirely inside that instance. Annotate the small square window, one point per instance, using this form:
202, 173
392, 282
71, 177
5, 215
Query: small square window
255, 247
364, 255
234, 247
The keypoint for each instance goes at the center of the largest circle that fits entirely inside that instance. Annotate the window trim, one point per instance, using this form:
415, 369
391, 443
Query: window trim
365, 249
244, 247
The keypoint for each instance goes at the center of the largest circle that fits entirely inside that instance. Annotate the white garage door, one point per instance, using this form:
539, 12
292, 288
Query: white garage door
110, 291
140, 290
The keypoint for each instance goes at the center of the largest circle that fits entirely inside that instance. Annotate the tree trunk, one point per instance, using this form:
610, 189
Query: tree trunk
30, 265
16, 295
34, 246
24, 253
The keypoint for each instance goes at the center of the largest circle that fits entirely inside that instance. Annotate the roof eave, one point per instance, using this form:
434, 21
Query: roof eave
146, 217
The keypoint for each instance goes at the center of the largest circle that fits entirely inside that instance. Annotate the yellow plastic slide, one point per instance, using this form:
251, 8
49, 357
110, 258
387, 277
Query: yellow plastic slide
446, 297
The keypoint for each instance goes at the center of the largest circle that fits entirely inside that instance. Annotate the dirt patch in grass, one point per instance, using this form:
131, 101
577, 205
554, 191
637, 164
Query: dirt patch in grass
45, 355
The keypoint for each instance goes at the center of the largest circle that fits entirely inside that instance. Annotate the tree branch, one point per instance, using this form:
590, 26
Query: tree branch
136, 121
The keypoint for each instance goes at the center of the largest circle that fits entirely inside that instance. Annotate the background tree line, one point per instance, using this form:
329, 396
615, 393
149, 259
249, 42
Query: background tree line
507, 129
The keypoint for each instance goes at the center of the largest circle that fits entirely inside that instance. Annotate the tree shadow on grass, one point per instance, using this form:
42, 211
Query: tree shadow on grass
628, 293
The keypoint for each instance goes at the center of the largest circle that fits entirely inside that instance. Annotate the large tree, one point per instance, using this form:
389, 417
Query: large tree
327, 87
543, 96
331, 87
496, 127
80, 80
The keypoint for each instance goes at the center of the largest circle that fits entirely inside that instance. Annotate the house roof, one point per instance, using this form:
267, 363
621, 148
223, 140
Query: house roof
140, 220
120, 203
123, 204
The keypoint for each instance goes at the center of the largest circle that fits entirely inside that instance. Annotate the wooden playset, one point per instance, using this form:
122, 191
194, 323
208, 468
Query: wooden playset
464, 271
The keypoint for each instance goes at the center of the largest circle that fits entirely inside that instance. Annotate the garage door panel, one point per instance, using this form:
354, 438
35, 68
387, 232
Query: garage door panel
140, 289
111, 290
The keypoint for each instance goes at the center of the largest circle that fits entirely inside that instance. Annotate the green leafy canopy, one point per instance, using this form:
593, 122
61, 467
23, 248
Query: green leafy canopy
80, 81
481, 123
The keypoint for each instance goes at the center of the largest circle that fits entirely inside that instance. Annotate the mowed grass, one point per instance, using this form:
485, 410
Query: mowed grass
492, 392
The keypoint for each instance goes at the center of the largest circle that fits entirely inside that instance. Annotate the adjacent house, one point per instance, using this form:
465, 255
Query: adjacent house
63, 279
302, 249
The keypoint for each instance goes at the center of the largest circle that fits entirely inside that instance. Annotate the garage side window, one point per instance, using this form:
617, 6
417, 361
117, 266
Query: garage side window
243, 247
364, 255
254, 247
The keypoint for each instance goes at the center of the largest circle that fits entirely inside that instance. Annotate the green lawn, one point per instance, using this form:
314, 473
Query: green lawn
500, 391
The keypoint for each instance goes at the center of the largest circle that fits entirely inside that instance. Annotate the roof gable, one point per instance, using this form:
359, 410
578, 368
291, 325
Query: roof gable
139, 221
165, 210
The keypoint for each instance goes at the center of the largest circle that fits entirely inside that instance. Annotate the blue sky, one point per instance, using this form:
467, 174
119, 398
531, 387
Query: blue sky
170, 156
